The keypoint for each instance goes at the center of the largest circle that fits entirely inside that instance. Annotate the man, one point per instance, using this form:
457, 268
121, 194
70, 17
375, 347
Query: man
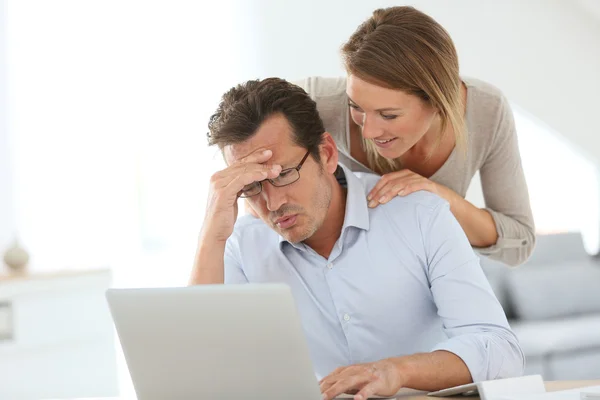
389, 297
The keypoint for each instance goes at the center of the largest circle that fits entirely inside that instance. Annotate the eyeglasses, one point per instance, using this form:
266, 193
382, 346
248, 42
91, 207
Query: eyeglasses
286, 177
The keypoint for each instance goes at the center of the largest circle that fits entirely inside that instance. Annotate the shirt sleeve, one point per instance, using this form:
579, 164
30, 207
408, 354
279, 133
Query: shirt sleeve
506, 195
233, 263
473, 319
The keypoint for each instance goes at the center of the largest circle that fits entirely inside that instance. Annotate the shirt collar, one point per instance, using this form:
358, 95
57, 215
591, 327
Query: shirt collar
357, 211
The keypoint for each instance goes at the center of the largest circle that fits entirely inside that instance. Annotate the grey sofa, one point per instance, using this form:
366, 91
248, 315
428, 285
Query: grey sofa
553, 304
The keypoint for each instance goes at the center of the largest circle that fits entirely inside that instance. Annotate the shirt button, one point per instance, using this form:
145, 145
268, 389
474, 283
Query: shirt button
330, 265
346, 317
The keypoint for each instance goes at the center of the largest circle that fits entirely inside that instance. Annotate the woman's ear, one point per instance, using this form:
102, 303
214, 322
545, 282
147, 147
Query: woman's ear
329, 153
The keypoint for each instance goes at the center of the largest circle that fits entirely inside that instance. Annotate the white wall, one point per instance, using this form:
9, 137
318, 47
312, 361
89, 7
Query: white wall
533, 50
6, 201
544, 54
109, 103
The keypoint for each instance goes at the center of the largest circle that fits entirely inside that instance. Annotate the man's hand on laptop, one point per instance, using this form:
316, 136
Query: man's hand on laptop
225, 189
381, 378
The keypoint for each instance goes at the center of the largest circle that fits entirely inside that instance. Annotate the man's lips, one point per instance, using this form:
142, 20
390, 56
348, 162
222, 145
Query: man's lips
286, 222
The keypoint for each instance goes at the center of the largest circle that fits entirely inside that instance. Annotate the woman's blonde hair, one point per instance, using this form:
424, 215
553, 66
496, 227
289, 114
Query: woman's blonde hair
404, 49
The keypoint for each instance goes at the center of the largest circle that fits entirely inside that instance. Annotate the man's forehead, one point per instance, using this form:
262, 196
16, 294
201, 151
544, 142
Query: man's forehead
273, 134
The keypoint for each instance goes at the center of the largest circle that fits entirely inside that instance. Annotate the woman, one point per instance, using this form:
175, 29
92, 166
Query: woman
405, 113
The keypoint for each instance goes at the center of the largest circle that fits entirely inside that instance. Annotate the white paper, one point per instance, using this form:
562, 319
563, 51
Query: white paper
572, 394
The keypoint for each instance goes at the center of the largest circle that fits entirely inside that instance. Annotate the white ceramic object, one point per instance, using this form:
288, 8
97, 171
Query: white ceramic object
15, 257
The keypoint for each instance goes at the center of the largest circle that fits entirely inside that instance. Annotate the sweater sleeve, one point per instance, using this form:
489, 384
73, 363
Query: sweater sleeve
506, 195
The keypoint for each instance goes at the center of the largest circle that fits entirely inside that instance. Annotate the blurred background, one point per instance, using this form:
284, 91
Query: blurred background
104, 165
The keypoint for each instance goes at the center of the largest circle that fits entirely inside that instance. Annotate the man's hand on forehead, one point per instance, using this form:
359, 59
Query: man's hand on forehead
239, 155
225, 186
251, 168
260, 156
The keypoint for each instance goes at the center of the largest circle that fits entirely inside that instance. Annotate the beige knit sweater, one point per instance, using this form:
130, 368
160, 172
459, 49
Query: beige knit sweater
492, 150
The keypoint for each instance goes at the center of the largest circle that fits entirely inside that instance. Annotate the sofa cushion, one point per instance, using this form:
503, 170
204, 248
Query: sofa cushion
573, 366
554, 290
558, 248
561, 336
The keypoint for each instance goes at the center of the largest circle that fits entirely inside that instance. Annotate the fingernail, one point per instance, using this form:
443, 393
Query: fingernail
372, 203
382, 199
276, 168
324, 397
369, 197
358, 397
400, 193
266, 152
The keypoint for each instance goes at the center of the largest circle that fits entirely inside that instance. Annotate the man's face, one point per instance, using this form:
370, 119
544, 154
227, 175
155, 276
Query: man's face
295, 211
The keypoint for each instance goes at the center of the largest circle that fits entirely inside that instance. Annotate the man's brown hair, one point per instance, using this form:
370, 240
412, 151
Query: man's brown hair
246, 106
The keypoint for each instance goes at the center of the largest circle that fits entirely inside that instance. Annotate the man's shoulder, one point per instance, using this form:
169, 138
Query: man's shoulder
408, 203
421, 198
367, 180
414, 211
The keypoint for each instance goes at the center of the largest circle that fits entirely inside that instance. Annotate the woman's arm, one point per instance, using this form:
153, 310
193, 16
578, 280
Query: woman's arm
506, 195
478, 224
505, 229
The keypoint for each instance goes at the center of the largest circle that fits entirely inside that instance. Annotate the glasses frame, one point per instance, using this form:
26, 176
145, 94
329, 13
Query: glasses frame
260, 183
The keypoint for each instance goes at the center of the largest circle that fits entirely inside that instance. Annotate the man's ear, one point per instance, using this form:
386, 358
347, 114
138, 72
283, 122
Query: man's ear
329, 153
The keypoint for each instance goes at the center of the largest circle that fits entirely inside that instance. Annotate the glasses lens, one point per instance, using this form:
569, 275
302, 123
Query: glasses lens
250, 190
286, 177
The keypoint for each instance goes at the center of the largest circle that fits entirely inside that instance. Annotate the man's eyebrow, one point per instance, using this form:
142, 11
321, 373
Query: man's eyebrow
379, 109
290, 164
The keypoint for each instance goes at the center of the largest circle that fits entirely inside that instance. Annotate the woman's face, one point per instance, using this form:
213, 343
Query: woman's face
392, 119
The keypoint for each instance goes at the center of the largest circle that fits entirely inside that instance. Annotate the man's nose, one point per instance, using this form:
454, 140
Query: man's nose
274, 196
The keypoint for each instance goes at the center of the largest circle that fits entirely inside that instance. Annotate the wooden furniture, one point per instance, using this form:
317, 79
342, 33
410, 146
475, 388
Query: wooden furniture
56, 335
550, 386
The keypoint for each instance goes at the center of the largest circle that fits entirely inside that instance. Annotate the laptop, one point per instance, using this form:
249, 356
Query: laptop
214, 342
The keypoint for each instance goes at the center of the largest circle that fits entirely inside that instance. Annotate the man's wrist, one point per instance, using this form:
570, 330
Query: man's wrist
209, 262
405, 369
207, 238
209, 246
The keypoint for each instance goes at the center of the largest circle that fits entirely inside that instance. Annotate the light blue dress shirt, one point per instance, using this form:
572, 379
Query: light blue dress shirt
401, 279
